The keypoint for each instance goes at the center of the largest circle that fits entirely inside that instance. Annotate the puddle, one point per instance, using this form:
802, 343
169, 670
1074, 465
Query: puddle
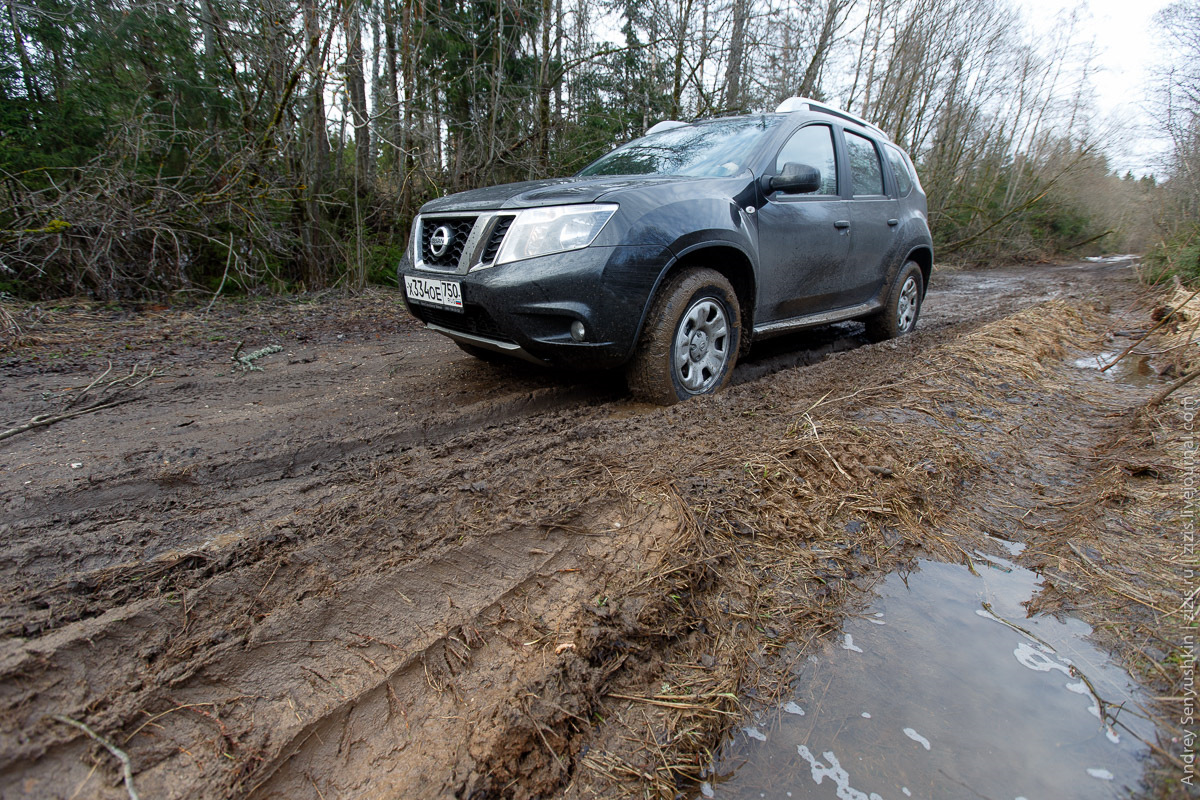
944, 700
1133, 370
1111, 259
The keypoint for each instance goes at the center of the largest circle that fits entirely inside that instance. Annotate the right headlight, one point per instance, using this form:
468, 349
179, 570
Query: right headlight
554, 229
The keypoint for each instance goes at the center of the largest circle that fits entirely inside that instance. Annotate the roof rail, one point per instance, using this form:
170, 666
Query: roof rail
665, 125
806, 104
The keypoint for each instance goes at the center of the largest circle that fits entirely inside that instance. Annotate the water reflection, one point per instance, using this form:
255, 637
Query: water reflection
943, 689
1134, 370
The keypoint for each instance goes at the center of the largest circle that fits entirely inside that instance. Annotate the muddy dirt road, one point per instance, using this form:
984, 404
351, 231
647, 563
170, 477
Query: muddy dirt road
378, 567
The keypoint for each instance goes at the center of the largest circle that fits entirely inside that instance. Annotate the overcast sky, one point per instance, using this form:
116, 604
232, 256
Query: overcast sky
1125, 37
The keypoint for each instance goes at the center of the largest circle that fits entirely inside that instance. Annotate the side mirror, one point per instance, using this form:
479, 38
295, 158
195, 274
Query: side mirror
794, 179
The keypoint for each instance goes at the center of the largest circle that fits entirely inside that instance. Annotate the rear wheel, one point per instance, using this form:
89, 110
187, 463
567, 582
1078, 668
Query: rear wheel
691, 339
901, 307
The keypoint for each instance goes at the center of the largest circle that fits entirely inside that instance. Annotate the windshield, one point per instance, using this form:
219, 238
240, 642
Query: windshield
713, 149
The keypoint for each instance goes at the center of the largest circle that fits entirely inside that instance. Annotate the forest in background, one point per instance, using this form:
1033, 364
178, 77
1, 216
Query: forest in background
157, 146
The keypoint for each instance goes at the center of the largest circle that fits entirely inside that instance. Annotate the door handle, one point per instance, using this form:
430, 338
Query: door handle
842, 224
893, 222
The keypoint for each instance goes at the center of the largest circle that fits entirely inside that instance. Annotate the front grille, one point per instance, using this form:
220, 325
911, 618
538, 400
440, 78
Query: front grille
497, 238
473, 320
459, 228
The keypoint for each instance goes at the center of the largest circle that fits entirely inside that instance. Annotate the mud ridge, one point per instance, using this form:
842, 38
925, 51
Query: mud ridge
501, 583
328, 456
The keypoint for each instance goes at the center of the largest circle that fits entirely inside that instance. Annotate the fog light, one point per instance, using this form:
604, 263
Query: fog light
578, 331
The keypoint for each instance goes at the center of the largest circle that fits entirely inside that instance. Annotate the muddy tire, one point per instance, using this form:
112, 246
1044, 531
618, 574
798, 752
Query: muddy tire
901, 307
690, 341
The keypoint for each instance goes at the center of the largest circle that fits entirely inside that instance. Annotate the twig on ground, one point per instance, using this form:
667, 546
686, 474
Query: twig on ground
117, 752
1166, 318
1158, 399
112, 395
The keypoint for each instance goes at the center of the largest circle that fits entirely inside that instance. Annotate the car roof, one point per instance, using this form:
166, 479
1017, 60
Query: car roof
793, 107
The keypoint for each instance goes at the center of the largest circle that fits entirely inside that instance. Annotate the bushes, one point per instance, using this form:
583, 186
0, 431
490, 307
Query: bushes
1176, 257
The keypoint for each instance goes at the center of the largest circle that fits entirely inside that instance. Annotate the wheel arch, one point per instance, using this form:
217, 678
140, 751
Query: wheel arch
724, 257
924, 257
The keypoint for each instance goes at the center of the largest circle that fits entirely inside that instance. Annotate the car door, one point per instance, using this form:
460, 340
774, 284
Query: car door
803, 240
874, 217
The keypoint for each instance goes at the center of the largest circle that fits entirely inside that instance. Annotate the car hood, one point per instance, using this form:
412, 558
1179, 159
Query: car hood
553, 192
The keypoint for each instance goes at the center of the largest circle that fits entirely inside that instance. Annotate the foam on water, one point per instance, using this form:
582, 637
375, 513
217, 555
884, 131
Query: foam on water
916, 737
755, 733
836, 774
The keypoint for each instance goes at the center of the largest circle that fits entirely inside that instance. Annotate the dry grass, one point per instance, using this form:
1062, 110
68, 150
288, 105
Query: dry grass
1116, 551
16, 319
10, 331
774, 542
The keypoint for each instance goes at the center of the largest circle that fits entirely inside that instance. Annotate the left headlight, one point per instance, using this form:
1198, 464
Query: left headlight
414, 241
556, 229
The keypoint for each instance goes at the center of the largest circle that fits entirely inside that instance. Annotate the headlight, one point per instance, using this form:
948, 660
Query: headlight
542, 231
414, 241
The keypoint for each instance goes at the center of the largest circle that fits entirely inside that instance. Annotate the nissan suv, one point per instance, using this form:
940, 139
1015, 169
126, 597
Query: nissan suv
670, 255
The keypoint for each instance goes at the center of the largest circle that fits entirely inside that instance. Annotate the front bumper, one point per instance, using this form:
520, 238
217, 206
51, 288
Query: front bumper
526, 308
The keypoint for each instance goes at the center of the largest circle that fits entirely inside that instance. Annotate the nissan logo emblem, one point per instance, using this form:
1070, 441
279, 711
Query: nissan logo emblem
439, 242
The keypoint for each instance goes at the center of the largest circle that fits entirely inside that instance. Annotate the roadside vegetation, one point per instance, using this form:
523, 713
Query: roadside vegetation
209, 146
1176, 250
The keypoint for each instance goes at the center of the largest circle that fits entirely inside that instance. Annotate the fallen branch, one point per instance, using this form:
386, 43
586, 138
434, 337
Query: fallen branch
109, 399
228, 261
120, 754
1166, 318
1158, 399
1092, 239
42, 420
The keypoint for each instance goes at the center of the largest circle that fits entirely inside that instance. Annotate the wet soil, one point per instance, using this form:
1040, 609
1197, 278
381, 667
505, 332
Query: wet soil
379, 567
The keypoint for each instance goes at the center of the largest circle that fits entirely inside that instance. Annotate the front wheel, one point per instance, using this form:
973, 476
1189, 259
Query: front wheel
901, 307
691, 339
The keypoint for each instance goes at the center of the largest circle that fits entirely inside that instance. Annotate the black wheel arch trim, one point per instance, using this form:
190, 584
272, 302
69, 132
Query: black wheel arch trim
683, 258
922, 254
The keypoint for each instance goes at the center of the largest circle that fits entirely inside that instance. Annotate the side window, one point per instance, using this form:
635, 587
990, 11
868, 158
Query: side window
904, 181
865, 170
812, 145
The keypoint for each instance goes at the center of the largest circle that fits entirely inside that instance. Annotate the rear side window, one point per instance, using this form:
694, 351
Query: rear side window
812, 146
865, 170
904, 178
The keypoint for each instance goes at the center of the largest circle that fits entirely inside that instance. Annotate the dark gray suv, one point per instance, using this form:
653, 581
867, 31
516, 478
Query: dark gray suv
670, 255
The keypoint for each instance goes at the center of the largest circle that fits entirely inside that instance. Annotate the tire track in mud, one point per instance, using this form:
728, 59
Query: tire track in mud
127, 549
418, 473
268, 491
470, 657
323, 670
264, 485
290, 465
364, 596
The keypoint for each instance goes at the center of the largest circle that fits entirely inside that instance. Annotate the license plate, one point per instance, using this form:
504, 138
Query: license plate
433, 292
